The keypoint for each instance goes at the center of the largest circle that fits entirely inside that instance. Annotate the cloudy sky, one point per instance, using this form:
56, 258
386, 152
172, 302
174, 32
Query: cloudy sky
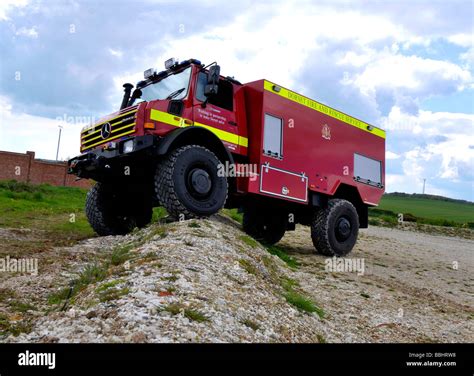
406, 66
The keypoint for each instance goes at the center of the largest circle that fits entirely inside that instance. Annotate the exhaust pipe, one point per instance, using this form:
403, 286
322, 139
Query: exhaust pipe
126, 95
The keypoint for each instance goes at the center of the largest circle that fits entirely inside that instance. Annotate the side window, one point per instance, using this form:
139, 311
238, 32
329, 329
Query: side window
225, 94
367, 170
201, 84
272, 136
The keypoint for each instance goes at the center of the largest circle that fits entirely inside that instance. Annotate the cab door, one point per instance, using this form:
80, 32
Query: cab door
218, 114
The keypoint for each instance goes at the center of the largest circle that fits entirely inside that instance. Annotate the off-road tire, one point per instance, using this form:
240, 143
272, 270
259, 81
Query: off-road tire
327, 239
174, 186
264, 225
103, 212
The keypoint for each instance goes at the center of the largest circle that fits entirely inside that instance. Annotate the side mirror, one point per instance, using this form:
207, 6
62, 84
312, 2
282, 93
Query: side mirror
212, 81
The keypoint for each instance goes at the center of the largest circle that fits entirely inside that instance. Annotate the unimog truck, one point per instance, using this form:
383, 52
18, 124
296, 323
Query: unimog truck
193, 141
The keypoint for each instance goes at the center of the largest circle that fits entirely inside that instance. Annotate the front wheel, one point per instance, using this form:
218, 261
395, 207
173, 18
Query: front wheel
110, 212
334, 229
188, 184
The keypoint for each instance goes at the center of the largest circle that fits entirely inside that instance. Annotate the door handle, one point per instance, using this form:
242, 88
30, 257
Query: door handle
232, 122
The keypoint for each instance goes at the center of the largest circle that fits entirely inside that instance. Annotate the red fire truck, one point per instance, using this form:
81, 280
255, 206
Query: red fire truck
193, 141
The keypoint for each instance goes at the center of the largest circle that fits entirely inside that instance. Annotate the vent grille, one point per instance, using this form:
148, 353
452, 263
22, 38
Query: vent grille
109, 130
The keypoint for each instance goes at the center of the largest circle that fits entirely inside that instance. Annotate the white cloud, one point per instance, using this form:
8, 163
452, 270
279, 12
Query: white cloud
446, 144
409, 184
116, 52
462, 39
409, 72
391, 155
27, 32
21, 132
8, 5
428, 123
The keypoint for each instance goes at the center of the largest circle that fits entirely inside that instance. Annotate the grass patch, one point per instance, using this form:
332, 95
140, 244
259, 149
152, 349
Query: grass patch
302, 303
280, 253
189, 313
321, 338
108, 285
159, 214
296, 299
156, 231
91, 274
251, 324
234, 214
22, 307
15, 329
248, 266
121, 254
112, 294
194, 224
249, 241
288, 283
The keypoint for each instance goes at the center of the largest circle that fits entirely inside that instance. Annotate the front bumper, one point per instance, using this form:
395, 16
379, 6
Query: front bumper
101, 163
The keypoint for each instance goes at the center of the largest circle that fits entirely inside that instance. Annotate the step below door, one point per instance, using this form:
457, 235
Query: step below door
286, 184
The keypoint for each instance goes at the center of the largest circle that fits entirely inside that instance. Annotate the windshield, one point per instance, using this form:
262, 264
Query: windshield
171, 87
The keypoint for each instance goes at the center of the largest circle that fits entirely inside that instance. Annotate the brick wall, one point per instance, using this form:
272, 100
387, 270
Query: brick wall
25, 168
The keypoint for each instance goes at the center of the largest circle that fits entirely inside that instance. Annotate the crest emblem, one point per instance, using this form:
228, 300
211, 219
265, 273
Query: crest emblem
106, 130
326, 132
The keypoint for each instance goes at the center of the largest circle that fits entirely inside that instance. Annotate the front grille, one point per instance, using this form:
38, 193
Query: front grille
120, 125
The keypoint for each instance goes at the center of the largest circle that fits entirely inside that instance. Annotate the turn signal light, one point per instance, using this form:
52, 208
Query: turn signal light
149, 125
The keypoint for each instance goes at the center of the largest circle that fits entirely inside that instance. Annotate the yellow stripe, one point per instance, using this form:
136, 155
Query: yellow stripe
166, 118
298, 98
104, 141
125, 126
176, 121
109, 121
85, 135
92, 139
223, 135
115, 130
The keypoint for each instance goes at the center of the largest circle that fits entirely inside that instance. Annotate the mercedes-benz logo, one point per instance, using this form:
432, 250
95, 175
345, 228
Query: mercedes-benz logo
106, 130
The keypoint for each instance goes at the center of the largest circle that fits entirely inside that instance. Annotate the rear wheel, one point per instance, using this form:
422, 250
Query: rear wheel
188, 185
263, 224
334, 229
109, 212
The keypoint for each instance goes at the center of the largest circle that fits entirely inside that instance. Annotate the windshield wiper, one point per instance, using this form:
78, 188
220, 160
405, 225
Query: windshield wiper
175, 93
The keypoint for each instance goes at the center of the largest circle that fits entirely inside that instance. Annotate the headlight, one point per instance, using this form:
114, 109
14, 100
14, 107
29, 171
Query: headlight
128, 146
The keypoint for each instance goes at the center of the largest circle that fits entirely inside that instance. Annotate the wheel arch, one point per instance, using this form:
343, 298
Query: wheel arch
351, 194
195, 136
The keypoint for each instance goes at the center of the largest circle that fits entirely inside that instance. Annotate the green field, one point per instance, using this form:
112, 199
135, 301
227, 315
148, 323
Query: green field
425, 209
44, 207
428, 208
60, 210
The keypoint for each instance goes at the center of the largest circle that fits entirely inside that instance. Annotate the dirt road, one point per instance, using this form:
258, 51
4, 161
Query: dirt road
416, 287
